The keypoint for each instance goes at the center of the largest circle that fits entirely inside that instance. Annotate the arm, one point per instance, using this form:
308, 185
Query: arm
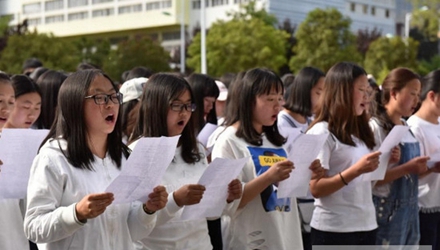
325, 186
416, 165
45, 220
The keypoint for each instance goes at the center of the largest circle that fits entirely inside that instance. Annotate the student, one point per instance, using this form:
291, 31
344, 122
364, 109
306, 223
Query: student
303, 98
166, 109
206, 93
11, 216
49, 84
395, 197
259, 219
27, 103
67, 207
344, 212
426, 128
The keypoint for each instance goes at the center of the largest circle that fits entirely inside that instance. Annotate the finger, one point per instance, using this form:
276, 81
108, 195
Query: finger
159, 189
101, 196
196, 187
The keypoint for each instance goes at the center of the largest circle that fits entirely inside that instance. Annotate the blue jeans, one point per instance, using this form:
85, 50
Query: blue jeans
397, 214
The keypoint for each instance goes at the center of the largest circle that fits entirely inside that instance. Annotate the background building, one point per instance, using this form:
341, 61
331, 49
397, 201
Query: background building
160, 19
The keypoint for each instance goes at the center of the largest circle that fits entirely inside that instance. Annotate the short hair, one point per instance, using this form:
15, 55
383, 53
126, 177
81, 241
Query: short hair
31, 63
84, 66
298, 97
137, 72
255, 82
431, 82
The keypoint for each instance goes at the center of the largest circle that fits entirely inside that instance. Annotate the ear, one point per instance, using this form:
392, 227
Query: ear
431, 96
393, 94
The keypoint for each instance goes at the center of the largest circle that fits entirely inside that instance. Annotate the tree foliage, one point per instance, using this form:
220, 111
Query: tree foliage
323, 39
93, 51
388, 53
250, 11
55, 53
136, 52
239, 45
365, 37
425, 17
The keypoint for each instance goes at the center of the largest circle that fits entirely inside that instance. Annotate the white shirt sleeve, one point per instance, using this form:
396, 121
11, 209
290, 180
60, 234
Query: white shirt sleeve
45, 221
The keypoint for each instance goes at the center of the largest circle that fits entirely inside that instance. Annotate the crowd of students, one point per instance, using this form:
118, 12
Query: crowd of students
94, 124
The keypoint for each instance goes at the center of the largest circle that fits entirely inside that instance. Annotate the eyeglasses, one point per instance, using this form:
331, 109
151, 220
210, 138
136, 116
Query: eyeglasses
101, 99
191, 107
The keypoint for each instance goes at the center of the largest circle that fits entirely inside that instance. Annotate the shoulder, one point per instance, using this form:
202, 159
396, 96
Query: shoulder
319, 128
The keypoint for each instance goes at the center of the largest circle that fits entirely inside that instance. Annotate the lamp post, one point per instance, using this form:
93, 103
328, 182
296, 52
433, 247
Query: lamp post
407, 24
203, 37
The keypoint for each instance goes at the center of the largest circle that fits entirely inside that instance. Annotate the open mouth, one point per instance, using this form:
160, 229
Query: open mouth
110, 118
2, 119
181, 123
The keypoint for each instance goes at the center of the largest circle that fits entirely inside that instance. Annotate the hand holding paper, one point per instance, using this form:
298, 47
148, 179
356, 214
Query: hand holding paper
217, 181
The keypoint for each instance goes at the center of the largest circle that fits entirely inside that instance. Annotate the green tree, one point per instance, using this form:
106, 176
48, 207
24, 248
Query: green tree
136, 52
323, 39
94, 51
425, 17
424, 67
239, 45
388, 53
250, 11
55, 53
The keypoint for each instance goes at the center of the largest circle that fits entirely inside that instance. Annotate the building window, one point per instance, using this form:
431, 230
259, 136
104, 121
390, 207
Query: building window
352, 7
196, 4
365, 9
101, 1
78, 16
166, 4
77, 3
241, 1
387, 13
153, 6
130, 9
373, 11
103, 12
54, 19
32, 8
218, 2
54, 5
167, 36
34, 21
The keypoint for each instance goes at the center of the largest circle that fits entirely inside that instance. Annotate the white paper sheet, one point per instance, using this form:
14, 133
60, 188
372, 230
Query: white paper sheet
304, 151
18, 148
144, 169
215, 179
207, 130
434, 158
393, 139
290, 134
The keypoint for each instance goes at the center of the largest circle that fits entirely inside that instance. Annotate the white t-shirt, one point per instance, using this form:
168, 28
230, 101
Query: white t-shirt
265, 222
350, 209
428, 134
170, 231
55, 186
285, 120
379, 136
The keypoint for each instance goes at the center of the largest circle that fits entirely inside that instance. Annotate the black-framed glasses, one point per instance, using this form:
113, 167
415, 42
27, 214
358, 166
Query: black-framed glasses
102, 99
178, 107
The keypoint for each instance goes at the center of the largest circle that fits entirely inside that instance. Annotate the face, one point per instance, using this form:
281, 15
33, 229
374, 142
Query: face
208, 103
177, 120
100, 119
407, 98
266, 109
315, 94
360, 94
7, 101
26, 111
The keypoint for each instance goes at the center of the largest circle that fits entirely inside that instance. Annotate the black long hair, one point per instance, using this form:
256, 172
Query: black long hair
70, 124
